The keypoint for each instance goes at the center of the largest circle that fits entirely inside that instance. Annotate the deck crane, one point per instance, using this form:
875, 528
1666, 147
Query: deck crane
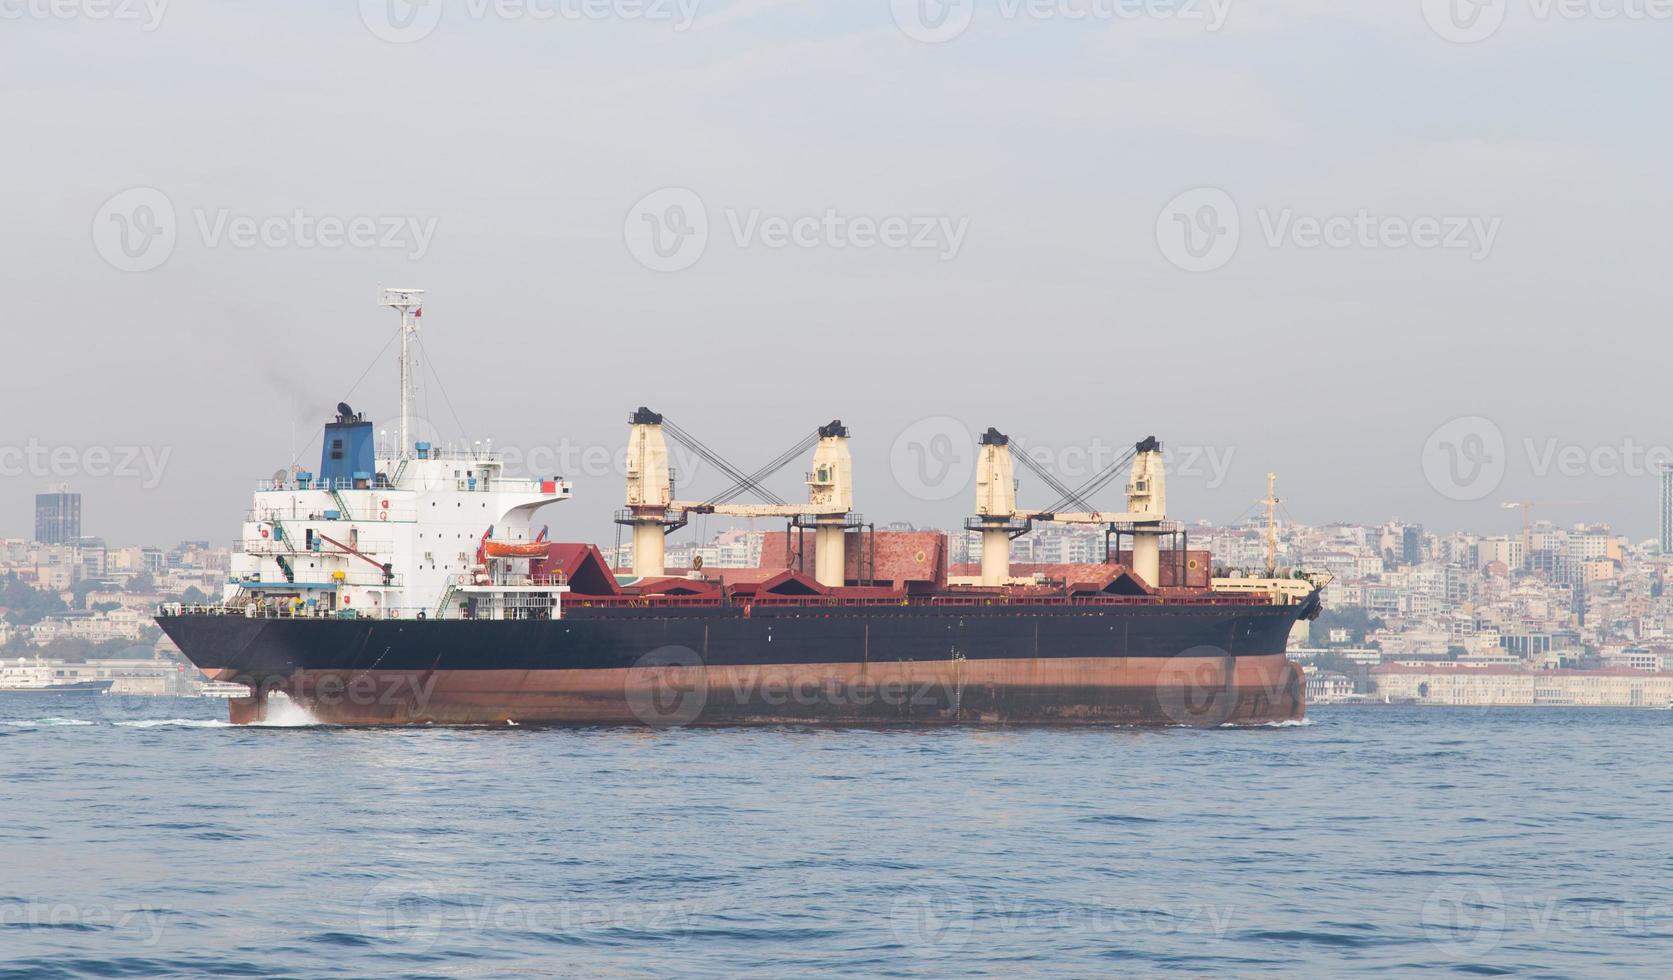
653, 510
998, 519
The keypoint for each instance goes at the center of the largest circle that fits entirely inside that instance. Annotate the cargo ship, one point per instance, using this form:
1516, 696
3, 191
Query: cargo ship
406, 584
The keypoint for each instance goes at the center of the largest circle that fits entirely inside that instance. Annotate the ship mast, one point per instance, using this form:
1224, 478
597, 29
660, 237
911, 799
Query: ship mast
1272, 525
410, 303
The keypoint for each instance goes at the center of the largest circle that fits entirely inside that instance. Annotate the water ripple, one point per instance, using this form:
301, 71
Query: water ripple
1383, 841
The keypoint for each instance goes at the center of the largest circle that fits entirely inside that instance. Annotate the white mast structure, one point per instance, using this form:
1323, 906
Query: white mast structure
410, 303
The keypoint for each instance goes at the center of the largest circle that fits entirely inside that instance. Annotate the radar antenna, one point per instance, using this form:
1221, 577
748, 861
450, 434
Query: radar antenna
410, 303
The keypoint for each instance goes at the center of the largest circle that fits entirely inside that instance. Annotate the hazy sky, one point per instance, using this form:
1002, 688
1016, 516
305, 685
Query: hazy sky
1009, 202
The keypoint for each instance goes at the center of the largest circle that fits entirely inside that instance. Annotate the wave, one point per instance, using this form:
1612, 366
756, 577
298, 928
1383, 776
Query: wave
175, 723
282, 712
215, 723
48, 723
1286, 723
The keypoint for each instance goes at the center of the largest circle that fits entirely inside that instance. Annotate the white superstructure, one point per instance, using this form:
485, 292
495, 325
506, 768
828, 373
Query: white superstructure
396, 530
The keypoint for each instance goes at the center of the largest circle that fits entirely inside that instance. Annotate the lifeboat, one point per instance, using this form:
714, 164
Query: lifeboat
514, 549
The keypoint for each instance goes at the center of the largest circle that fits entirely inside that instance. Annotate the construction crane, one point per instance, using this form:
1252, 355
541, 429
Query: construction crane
1527, 508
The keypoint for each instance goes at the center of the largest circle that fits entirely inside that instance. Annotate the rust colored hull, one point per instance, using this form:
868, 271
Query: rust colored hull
1198, 691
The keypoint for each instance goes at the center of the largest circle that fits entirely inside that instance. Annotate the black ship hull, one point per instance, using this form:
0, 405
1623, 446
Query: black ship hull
1160, 664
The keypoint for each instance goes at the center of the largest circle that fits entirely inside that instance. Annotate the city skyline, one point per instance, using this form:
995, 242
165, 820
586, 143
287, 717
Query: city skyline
1208, 490
1419, 603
